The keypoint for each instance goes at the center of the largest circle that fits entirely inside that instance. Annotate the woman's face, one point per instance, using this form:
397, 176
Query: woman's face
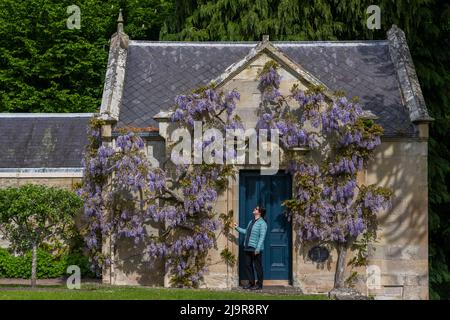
256, 212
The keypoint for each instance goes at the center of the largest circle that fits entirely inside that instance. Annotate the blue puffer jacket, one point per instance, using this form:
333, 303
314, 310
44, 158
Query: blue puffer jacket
257, 234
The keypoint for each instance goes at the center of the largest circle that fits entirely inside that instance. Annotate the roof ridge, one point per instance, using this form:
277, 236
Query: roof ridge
254, 43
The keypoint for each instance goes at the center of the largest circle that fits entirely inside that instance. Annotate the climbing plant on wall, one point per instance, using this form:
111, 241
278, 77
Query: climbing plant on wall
328, 205
123, 193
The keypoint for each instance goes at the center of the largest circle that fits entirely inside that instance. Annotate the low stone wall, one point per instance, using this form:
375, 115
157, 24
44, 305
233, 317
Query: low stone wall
64, 182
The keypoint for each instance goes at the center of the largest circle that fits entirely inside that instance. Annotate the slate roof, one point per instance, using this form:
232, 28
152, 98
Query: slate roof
42, 141
157, 71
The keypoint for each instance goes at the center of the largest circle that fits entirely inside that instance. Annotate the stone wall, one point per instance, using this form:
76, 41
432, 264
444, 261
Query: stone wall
402, 252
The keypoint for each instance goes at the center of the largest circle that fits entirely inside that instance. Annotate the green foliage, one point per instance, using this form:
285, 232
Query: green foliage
350, 281
271, 64
32, 214
41, 217
228, 257
227, 219
49, 265
426, 24
46, 67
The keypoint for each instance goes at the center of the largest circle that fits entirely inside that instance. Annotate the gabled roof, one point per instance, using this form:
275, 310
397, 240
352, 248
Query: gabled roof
36, 140
266, 47
156, 72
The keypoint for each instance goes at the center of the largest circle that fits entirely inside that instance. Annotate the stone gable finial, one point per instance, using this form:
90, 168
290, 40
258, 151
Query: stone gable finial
120, 37
265, 38
115, 74
395, 31
120, 22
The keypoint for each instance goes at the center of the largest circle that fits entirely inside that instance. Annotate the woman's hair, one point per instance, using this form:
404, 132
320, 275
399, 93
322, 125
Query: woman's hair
261, 210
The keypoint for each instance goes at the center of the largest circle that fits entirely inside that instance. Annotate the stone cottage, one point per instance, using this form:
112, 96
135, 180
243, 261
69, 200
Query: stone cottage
142, 80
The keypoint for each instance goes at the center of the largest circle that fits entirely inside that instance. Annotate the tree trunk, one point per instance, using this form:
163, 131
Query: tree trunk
34, 265
339, 279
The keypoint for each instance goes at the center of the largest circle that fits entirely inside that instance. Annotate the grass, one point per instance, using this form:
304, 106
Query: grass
102, 292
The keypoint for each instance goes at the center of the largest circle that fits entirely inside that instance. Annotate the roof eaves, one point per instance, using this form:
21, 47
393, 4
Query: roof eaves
72, 172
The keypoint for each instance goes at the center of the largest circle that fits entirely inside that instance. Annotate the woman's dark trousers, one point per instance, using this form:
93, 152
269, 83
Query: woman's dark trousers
254, 260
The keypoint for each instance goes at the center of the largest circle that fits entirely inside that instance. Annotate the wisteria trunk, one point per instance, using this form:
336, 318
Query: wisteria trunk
33, 265
339, 279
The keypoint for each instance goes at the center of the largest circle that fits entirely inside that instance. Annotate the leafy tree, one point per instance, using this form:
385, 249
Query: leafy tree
33, 214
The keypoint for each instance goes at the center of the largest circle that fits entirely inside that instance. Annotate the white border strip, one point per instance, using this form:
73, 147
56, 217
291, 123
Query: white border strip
41, 172
46, 115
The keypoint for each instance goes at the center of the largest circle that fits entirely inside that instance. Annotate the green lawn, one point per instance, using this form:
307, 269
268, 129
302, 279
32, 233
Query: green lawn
137, 293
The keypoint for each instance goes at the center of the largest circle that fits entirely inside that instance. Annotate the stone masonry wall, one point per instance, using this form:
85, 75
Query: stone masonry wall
400, 256
398, 263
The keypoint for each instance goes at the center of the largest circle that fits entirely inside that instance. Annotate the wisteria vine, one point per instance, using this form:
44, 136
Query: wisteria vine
124, 194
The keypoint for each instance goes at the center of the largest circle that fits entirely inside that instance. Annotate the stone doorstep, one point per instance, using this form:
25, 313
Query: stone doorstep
346, 294
278, 290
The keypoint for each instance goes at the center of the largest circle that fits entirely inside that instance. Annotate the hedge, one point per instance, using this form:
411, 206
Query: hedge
48, 265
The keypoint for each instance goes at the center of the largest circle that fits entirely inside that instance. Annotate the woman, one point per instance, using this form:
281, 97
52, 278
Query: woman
253, 247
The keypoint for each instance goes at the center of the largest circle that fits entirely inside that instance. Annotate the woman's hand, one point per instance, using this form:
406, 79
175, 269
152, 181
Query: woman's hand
256, 253
235, 224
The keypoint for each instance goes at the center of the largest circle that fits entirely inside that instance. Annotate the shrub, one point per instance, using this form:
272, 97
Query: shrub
49, 266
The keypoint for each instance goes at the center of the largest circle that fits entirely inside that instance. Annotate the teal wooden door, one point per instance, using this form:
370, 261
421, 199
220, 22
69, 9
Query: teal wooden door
269, 191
